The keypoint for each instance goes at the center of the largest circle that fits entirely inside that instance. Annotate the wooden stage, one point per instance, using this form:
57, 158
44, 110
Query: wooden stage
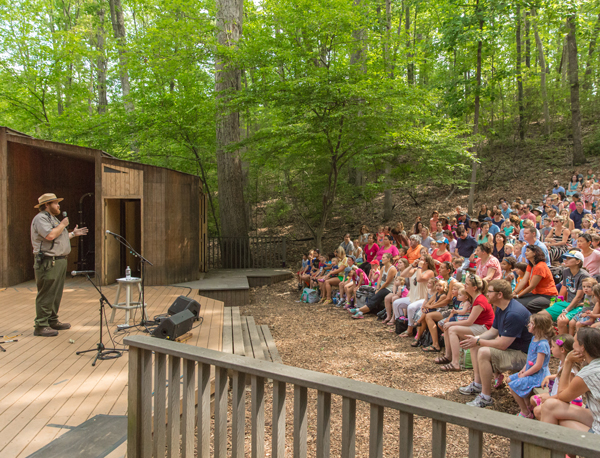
232, 286
46, 390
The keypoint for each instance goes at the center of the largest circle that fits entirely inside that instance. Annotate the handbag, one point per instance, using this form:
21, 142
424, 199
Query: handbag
401, 324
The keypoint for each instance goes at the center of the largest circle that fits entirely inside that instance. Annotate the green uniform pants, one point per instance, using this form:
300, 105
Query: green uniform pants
50, 280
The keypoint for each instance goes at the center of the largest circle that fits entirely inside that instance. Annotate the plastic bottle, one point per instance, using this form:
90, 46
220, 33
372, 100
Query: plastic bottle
464, 277
128, 273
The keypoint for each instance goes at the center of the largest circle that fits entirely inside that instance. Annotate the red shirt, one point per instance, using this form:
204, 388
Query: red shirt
442, 258
486, 317
370, 253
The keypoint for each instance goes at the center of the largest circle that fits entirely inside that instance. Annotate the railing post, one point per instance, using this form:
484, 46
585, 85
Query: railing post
438, 438
278, 440
134, 401
475, 443
348, 427
173, 431
516, 448
203, 410
238, 415
189, 412
323, 424
160, 403
145, 408
220, 445
376, 432
258, 417
300, 421
284, 251
406, 434
535, 451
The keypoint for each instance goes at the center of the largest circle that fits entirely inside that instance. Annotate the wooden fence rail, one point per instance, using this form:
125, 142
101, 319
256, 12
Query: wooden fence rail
246, 252
528, 439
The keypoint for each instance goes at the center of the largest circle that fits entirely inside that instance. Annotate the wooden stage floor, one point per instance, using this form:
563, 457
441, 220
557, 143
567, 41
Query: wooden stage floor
46, 390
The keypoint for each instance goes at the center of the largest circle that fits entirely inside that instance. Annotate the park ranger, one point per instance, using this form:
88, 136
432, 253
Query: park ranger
51, 245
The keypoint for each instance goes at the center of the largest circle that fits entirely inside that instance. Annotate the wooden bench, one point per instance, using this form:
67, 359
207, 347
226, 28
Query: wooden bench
242, 336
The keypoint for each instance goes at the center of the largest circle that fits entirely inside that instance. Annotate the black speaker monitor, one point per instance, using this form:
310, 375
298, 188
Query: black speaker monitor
175, 326
185, 303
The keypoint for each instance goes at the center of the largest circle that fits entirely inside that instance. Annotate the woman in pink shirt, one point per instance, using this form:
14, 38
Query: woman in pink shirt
433, 222
370, 252
591, 257
387, 248
488, 266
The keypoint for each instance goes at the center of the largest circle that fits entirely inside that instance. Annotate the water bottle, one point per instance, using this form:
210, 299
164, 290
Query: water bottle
128, 273
464, 277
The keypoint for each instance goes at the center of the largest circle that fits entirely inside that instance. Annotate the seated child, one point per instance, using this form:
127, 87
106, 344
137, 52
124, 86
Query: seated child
457, 263
358, 252
374, 274
459, 295
561, 346
590, 309
545, 229
520, 270
509, 251
508, 265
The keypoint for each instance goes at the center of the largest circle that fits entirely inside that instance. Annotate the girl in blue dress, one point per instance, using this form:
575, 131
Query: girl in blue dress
536, 367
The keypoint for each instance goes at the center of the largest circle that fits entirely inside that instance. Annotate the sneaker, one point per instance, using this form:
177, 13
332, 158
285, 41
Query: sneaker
352, 311
341, 304
45, 332
480, 402
358, 315
348, 307
60, 326
470, 389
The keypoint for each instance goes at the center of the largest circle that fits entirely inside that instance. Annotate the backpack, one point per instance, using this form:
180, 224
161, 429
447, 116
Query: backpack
310, 296
401, 324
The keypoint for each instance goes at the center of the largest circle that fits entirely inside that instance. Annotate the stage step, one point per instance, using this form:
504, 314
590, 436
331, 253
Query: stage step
242, 336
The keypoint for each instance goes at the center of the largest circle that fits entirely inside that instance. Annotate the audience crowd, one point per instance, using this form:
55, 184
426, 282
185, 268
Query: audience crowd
510, 287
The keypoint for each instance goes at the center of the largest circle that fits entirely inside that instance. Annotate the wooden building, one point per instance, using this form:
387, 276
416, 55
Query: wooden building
161, 212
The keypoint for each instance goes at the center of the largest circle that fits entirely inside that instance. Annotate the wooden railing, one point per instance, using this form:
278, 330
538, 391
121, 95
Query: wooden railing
245, 252
528, 439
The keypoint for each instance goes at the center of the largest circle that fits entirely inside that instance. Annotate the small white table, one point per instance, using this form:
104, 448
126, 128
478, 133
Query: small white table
128, 304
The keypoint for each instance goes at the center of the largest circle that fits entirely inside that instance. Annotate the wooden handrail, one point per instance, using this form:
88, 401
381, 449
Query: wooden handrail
531, 434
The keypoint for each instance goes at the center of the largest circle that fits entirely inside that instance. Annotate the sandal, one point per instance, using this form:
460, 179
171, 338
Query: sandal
405, 334
416, 343
499, 381
450, 368
442, 360
431, 349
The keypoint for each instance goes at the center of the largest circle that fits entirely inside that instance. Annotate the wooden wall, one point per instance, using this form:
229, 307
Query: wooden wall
3, 209
31, 173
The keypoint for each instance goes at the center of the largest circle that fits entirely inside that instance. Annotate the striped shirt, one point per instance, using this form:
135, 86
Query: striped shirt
590, 374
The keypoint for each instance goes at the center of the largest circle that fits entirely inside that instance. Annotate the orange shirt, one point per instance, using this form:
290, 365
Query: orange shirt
546, 285
413, 253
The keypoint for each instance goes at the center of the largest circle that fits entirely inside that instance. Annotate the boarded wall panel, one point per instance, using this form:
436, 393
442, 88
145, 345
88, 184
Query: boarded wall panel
3, 210
119, 181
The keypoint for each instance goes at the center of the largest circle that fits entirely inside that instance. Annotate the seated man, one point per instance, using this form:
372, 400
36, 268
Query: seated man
347, 245
501, 349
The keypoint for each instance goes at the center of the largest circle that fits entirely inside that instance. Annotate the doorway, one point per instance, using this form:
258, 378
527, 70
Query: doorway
123, 217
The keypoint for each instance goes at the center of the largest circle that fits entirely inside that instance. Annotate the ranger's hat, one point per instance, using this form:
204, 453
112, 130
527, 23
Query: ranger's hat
46, 198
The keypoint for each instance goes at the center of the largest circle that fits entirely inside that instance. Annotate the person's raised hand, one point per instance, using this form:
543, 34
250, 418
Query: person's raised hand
80, 231
545, 382
574, 357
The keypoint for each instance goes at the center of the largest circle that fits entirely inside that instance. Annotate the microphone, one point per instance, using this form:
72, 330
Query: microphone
74, 273
64, 214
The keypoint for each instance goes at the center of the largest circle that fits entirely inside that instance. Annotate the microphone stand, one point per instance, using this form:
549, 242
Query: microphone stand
123, 241
102, 353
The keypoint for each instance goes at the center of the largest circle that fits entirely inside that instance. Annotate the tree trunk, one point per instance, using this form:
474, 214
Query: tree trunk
101, 64
527, 41
542, 62
578, 156
232, 206
118, 24
410, 68
587, 79
476, 113
388, 198
520, 77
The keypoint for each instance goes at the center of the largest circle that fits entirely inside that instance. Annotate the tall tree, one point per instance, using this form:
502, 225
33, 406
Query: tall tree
587, 79
578, 155
543, 72
520, 97
232, 207
101, 63
118, 24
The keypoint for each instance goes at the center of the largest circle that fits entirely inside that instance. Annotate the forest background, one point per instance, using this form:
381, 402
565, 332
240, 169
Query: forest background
306, 109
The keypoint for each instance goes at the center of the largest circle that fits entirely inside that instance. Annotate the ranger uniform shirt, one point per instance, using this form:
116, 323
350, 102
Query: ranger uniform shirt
41, 226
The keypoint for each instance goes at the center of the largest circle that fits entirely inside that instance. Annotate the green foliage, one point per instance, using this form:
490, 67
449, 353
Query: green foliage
592, 147
277, 213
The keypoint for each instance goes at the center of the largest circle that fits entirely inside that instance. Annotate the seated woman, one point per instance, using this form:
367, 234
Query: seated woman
334, 277
399, 235
369, 253
499, 243
480, 320
441, 254
420, 272
559, 410
376, 303
574, 186
363, 235
591, 257
537, 288
417, 227
425, 238
473, 229
442, 305
567, 221
484, 213
488, 266
387, 247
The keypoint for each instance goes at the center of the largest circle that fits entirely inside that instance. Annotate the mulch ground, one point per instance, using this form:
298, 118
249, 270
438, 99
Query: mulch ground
326, 339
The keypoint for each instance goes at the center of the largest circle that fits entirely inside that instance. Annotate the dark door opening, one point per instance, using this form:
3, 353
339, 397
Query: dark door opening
123, 217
